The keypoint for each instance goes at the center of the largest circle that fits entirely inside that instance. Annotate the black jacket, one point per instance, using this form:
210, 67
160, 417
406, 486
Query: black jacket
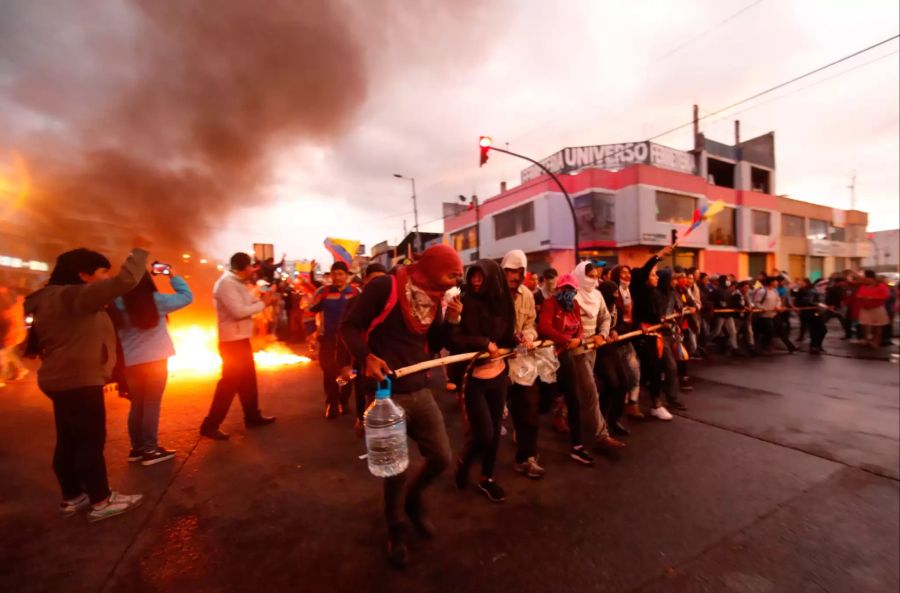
487, 316
648, 304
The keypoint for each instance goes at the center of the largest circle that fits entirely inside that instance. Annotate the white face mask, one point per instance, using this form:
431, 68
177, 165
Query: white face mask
624, 283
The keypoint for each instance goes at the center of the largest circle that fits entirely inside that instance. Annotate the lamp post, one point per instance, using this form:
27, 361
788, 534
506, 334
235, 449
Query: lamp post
474, 203
486, 145
415, 208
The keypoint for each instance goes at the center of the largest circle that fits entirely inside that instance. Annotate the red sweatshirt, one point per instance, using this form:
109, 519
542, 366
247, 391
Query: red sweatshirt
559, 325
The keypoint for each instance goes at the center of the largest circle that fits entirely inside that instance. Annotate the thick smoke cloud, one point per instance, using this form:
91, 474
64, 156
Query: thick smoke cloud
161, 116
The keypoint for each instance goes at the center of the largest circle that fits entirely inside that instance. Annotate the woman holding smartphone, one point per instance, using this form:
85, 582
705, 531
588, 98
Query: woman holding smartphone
141, 321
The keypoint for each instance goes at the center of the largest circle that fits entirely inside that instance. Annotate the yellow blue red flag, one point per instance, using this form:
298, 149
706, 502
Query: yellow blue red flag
342, 249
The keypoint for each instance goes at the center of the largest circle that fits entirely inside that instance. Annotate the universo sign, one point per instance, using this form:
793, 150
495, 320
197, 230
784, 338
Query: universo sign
613, 156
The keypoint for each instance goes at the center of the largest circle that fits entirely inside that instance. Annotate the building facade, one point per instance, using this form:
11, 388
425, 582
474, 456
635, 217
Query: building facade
885, 256
629, 198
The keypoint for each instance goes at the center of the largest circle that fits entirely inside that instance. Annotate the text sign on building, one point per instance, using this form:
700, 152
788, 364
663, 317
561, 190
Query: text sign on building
613, 156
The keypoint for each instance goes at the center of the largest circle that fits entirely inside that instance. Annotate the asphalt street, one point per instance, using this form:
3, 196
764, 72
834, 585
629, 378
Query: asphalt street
782, 476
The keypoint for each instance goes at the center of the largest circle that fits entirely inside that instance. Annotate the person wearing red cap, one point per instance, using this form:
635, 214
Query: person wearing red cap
397, 321
560, 321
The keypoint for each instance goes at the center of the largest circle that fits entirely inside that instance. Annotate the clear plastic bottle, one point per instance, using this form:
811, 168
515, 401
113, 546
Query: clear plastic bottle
386, 435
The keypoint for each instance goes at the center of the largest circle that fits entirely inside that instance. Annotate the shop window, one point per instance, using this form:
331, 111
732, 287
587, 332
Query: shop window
756, 263
514, 222
464, 239
722, 228
762, 223
792, 226
675, 208
818, 229
836, 234
720, 173
816, 267
759, 180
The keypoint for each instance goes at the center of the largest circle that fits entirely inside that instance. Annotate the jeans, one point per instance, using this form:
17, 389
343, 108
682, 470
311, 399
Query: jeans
568, 384
425, 426
588, 396
524, 401
632, 368
80, 416
238, 377
334, 393
658, 372
146, 384
727, 324
484, 399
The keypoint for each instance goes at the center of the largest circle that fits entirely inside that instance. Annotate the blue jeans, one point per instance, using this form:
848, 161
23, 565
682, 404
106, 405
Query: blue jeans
146, 384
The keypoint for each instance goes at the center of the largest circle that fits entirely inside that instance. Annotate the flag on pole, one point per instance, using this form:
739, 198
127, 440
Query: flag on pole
703, 214
342, 249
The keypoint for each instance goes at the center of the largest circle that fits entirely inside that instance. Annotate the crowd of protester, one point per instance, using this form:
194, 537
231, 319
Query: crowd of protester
604, 332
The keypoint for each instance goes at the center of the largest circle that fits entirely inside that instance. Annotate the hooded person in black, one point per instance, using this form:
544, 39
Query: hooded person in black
610, 371
487, 324
649, 305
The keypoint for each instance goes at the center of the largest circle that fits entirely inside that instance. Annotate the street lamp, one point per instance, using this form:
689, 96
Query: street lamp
485, 145
474, 203
415, 208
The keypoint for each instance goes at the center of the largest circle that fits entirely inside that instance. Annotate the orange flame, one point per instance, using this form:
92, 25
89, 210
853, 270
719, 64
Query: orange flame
15, 183
196, 353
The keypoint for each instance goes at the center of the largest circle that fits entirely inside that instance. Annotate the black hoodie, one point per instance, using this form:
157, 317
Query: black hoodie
649, 303
488, 315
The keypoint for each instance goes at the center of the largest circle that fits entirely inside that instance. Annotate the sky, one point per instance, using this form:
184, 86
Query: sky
545, 75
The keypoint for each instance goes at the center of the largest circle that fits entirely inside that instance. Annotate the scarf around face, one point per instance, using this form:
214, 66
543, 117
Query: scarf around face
418, 287
588, 296
566, 298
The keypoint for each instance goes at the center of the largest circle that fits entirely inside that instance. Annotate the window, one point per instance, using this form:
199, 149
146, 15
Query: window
762, 223
818, 229
792, 226
674, 208
816, 267
514, 222
836, 234
595, 213
759, 180
722, 228
465, 239
720, 173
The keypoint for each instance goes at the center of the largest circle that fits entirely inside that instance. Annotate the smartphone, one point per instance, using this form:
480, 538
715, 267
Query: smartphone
159, 268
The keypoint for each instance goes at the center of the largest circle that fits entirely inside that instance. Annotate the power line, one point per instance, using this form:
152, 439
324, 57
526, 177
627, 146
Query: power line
706, 32
809, 86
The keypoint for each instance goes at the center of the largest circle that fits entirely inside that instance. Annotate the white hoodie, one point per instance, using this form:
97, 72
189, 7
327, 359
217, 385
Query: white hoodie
526, 312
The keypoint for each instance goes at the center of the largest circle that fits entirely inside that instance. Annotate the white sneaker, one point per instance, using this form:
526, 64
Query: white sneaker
116, 504
72, 506
660, 413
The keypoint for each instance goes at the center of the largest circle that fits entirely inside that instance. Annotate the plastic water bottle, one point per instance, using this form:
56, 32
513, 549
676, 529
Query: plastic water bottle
386, 434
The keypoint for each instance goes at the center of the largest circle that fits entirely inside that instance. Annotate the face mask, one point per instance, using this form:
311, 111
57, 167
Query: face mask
566, 299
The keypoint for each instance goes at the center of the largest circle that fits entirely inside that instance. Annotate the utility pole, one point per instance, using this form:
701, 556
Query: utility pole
852, 188
415, 209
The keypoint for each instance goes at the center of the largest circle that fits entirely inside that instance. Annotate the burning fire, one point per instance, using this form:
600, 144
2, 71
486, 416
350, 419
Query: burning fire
196, 353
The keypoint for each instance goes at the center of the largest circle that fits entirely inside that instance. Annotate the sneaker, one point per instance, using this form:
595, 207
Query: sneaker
135, 455
494, 492
661, 413
157, 456
530, 468
72, 506
581, 456
116, 504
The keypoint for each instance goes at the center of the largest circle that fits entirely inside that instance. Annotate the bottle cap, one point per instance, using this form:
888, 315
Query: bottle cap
383, 391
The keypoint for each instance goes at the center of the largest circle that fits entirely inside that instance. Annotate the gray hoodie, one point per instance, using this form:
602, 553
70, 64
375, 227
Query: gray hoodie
76, 335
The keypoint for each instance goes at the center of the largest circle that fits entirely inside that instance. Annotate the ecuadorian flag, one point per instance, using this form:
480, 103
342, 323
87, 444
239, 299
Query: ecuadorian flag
342, 249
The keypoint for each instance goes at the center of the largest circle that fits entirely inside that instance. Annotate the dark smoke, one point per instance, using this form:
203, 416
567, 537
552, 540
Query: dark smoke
175, 116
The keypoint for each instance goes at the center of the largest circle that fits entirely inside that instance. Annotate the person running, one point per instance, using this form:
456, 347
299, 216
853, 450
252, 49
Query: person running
524, 400
649, 307
398, 322
76, 342
488, 323
140, 317
560, 322
235, 308
331, 301
595, 321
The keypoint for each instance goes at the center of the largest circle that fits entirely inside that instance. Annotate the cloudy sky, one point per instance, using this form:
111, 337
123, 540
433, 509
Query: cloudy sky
543, 75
